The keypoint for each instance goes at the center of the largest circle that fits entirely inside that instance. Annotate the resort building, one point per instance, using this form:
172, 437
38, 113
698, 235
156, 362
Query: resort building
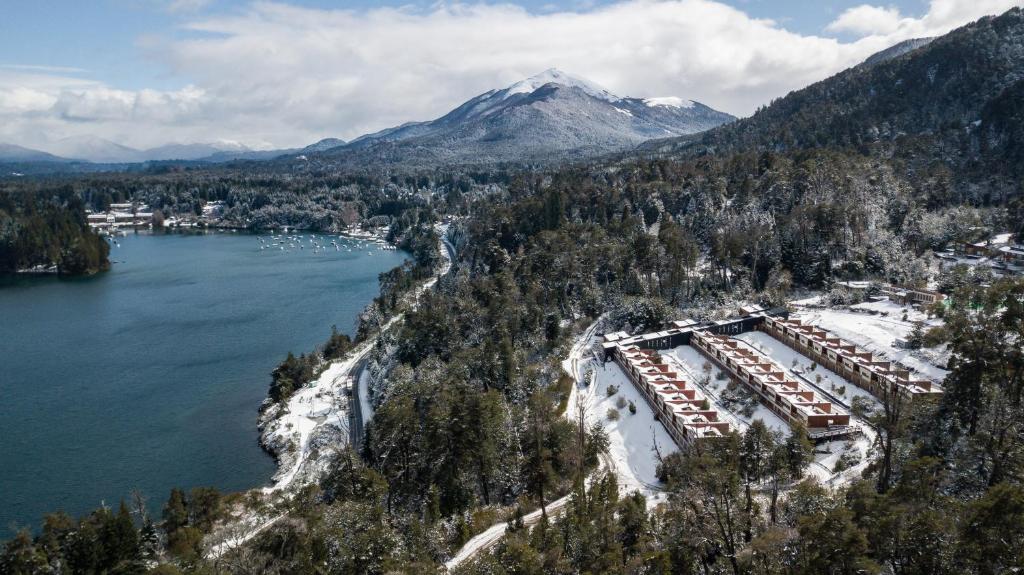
897, 294
792, 400
911, 296
685, 411
860, 367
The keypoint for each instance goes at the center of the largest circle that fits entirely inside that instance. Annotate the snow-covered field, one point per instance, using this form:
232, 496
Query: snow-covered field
877, 333
636, 440
315, 418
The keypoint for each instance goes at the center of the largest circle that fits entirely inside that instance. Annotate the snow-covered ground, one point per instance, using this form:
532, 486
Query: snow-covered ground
877, 332
636, 440
315, 417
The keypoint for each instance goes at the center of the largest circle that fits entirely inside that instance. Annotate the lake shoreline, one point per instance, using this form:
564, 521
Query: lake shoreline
227, 313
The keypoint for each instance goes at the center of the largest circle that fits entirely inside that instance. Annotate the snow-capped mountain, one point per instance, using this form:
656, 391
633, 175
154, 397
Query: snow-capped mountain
551, 115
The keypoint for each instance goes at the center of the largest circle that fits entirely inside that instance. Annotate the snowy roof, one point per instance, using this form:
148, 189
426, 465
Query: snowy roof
687, 403
996, 240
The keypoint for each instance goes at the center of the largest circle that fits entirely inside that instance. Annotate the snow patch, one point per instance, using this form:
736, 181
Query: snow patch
555, 76
669, 102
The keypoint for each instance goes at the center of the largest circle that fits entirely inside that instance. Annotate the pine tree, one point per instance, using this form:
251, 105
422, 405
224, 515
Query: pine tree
175, 512
799, 450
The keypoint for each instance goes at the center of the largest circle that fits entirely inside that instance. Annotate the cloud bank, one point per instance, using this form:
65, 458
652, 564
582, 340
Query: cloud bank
276, 74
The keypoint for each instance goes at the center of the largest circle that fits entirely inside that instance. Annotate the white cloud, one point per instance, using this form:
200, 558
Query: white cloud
942, 17
289, 75
186, 5
866, 19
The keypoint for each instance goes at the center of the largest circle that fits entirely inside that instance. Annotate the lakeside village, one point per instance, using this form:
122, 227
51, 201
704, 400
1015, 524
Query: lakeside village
812, 366
122, 217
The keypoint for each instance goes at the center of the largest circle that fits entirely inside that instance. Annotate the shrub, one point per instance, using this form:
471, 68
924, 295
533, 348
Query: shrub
621, 402
632, 408
612, 390
613, 414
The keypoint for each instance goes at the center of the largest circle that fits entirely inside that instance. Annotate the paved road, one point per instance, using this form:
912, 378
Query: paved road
355, 414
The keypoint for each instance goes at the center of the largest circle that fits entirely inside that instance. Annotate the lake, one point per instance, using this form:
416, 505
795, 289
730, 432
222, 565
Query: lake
150, 376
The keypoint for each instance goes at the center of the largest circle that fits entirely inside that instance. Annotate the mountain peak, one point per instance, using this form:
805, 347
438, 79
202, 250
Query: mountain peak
556, 76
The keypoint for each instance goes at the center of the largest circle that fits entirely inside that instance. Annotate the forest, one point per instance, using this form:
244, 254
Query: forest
470, 427
48, 231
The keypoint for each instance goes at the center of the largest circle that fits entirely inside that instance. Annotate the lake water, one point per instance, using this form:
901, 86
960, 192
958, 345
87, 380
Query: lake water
150, 376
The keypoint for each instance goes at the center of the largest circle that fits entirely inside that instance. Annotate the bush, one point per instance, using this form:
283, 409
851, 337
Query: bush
632, 408
613, 414
612, 390
621, 402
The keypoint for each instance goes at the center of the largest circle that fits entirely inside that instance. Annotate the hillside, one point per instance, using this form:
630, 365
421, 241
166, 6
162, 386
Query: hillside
955, 100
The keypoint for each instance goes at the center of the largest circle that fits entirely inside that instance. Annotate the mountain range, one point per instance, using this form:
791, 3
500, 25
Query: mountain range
553, 115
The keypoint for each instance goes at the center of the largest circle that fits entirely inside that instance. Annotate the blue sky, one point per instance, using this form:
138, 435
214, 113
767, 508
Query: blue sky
289, 72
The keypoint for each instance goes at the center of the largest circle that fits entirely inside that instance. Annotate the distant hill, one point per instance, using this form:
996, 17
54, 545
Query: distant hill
324, 145
13, 153
550, 116
95, 149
